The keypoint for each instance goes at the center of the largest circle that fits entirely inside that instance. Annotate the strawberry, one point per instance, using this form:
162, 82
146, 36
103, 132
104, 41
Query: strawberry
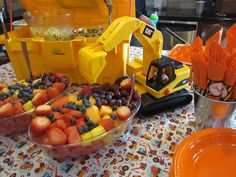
67, 119
126, 84
43, 110
36, 74
86, 90
107, 123
40, 98
58, 75
57, 137
60, 86
123, 112
18, 108
65, 110
6, 110
67, 131
76, 114
10, 99
57, 115
59, 124
2, 102
45, 139
52, 92
39, 125
60, 102
81, 123
73, 136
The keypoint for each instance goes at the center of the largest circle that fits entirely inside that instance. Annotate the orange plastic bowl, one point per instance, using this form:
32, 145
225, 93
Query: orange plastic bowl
210, 152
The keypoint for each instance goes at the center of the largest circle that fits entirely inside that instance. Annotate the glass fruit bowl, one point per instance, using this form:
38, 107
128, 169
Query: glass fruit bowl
99, 117
18, 100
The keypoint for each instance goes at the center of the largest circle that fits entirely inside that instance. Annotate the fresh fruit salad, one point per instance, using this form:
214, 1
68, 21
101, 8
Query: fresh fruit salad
84, 120
17, 101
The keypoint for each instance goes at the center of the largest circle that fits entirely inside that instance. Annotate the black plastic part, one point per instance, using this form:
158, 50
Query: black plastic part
151, 105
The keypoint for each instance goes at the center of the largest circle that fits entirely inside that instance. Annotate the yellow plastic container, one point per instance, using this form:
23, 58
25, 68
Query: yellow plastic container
51, 56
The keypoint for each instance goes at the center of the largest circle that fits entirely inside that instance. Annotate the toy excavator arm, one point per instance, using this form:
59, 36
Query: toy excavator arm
94, 56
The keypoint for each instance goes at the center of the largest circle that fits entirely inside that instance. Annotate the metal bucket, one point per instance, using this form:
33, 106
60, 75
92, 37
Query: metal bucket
211, 113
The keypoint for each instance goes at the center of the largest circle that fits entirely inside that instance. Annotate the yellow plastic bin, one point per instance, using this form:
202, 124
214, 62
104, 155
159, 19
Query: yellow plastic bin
51, 55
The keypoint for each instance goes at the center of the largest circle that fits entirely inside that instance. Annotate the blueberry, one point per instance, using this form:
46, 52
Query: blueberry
66, 105
11, 91
86, 129
86, 97
114, 107
108, 97
113, 116
73, 121
88, 104
77, 107
25, 99
27, 89
86, 118
20, 95
95, 95
79, 97
91, 127
52, 119
22, 101
64, 80
49, 84
30, 96
119, 102
89, 123
73, 107
7, 94
98, 99
11, 87
82, 108
50, 116
80, 130
98, 104
55, 109
102, 96
41, 87
85, 100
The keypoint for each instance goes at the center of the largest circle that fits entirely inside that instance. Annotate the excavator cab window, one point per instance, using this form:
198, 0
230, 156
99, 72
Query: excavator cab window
160, 74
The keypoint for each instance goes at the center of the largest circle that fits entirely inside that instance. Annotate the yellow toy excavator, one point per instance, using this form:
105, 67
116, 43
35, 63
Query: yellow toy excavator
157, 75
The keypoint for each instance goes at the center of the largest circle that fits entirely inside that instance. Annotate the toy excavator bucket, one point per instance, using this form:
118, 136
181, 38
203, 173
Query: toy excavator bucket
91, 61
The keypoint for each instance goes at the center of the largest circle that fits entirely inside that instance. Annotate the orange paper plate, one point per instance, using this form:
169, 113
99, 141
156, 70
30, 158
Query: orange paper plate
208, 153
